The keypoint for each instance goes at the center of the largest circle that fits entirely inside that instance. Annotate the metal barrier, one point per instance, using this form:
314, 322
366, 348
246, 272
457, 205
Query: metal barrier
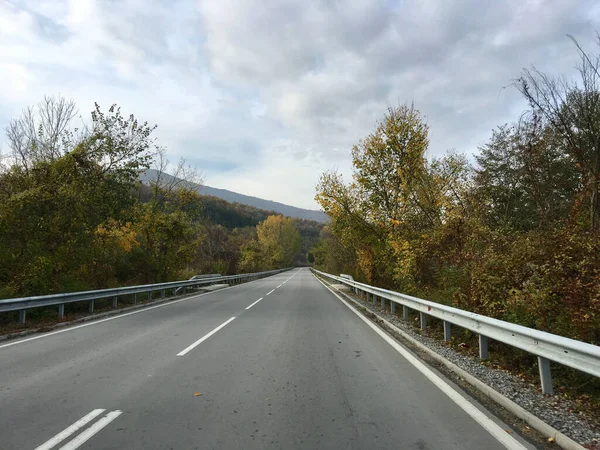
203, 277
546, 346
24, 303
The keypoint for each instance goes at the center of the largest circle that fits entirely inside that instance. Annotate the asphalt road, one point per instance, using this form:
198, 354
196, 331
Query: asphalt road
298, 369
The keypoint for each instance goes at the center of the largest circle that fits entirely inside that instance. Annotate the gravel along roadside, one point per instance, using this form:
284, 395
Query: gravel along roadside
553, 410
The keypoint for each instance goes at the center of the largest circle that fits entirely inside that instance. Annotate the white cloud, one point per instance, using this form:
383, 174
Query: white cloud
265, 96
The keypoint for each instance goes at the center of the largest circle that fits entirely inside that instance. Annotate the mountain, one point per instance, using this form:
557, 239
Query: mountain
234, 197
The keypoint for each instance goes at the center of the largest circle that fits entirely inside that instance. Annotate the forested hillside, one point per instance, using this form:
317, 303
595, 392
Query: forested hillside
515, 236
74, 215
255, 202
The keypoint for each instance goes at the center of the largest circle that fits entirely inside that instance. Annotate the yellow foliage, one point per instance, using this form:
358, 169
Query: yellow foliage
123, 236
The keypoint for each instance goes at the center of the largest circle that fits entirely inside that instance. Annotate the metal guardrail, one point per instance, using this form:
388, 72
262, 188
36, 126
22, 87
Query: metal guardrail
546, 346
203, 277
24, 303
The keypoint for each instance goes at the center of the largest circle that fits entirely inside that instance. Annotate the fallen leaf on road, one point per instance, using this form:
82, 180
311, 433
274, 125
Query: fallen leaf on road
551, 440
197, 394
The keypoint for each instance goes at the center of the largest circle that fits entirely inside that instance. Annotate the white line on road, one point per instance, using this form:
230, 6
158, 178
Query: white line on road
295, 273
203, 338
91, 431
270, 292
248, 307
279, 286
70, 430
488, 424
141, 310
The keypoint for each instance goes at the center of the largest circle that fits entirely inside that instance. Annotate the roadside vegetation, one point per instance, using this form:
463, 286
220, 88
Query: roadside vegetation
514, 235
74, 215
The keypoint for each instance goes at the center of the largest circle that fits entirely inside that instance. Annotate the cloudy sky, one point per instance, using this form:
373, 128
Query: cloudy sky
263, 96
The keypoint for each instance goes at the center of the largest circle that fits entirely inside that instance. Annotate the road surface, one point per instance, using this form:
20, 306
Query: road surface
279, 363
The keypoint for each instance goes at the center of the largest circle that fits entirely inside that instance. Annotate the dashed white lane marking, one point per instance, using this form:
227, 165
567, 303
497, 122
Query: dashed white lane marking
270, 292
83, 437
488, 424
279, 286
205, 337
91, 431
248, 307
120, 316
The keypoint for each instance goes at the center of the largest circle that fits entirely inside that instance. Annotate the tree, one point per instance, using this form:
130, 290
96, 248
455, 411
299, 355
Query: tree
390, 162
61, 205
276, 246
332, 256
167, 224
396, 196
525, 178
41, 133
573, 110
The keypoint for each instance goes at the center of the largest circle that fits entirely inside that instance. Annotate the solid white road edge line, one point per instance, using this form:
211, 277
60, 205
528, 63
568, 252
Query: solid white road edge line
279, 286
91, 431
248, 307
141, 310
488, 424
270, 292
203, 338
70, 430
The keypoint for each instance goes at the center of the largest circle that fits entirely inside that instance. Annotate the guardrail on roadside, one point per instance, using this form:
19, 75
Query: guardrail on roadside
546, 346
24, 303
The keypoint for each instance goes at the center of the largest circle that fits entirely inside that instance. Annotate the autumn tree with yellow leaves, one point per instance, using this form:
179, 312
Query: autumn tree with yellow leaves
276, 246
505, 238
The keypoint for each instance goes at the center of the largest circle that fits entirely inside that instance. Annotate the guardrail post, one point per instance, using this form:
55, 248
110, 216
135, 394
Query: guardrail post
483, 347
392, 307
162, 293
91, 306
447, 331
115, 300
22, 315
545, 375
61, 311
382, 303
135, 299
423, 320
150, 296
405, 312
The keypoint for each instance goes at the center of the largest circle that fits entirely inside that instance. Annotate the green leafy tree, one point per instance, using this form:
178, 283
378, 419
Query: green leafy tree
56, 200
525, 177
